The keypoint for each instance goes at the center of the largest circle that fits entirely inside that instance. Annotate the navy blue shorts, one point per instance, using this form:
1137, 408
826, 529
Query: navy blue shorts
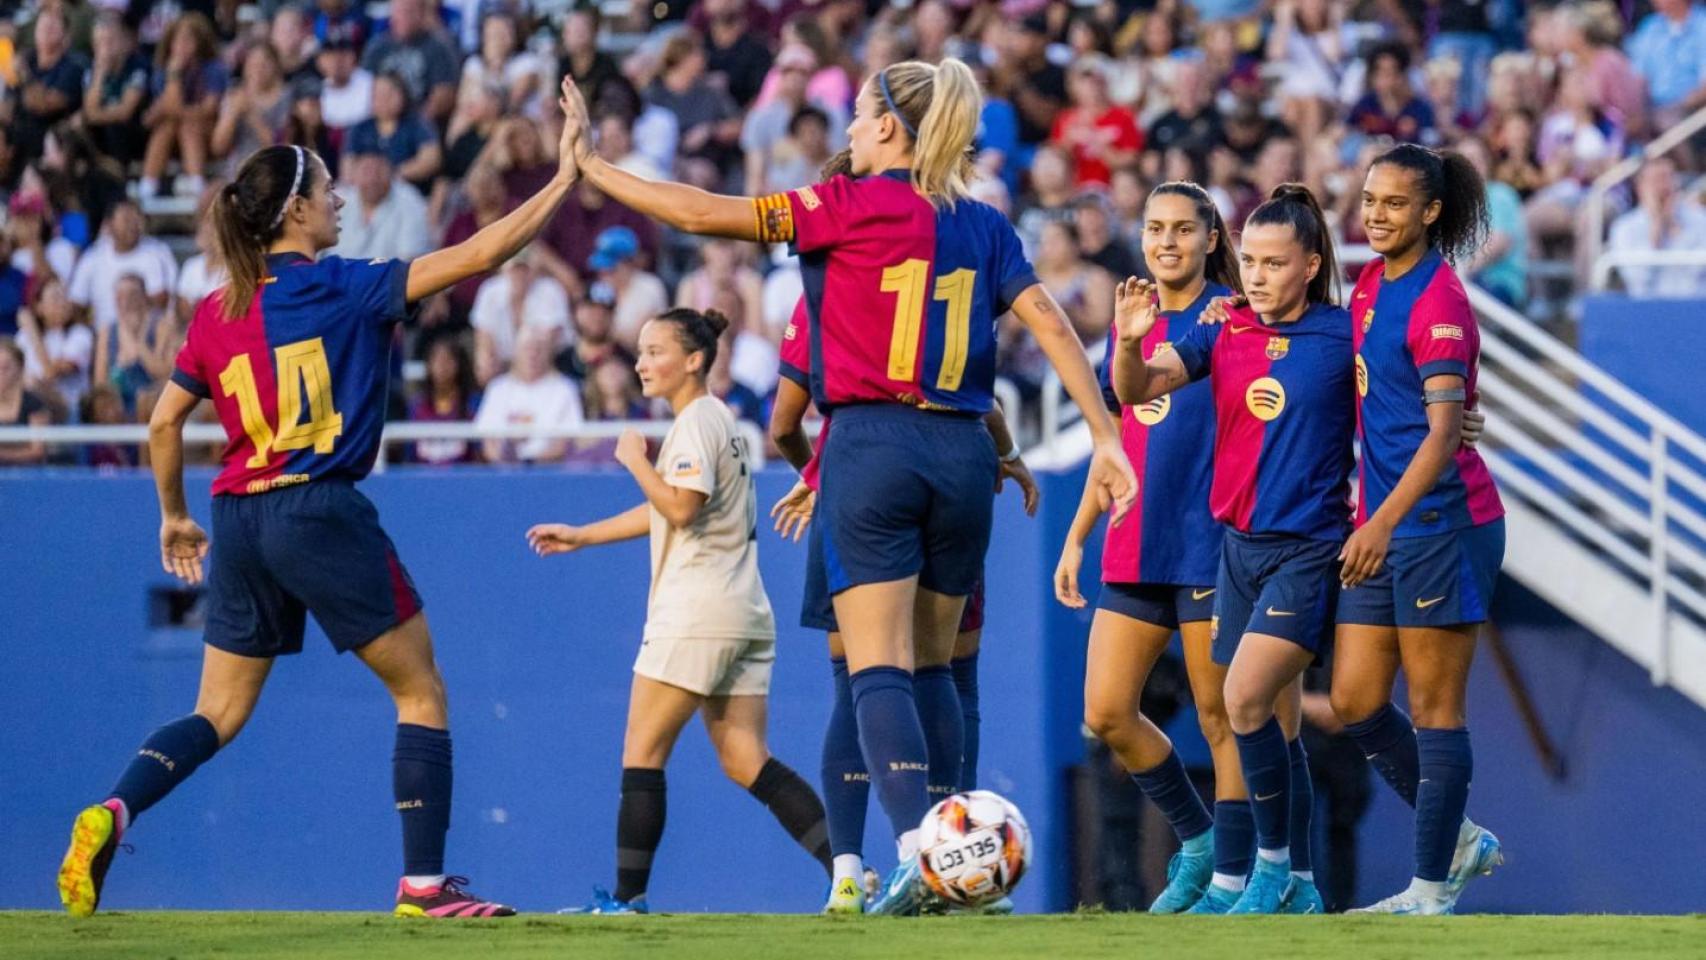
315, 548
1163, 604
1278, 585
1444, 580
817, 608
906, 492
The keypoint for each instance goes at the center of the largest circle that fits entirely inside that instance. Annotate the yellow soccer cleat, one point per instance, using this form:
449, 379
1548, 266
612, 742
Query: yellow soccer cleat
94, 837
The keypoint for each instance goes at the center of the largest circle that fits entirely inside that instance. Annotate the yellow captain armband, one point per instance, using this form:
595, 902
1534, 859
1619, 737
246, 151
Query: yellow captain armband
773, 218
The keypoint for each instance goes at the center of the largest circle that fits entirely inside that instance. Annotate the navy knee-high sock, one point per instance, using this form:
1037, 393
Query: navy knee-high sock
165, 759
1169, 787
893, 743
1387, 739
1302, 808
846, 784
1267, 772
965, 681
944, 727
421, 782
1446, 766
1234, 838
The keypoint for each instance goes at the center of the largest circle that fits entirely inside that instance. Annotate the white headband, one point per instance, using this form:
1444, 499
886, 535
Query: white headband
295, 185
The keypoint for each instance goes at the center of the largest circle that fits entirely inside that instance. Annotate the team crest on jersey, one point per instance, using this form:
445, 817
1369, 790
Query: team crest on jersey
1362, 377
1161, 348
1265, 398
1368, 320
808, 198
1153, 412
1278, 347
1447, 331
790, 333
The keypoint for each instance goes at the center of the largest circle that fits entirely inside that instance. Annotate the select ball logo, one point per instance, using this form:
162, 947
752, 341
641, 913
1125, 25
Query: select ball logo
973, 848
1153, 412
1265, 398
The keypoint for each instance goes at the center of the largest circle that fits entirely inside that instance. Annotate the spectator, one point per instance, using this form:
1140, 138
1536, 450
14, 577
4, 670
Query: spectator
122, 249
1026, 77
754, 359
733, 50
386, 218
58, 350
767, 128
595, 341
1589, 34
486, 205
1575, 145
1193, 124
640, 296
1669, 50
49, 85
597, 75
115, 91
1085, 291
1127, 198
783, 287
188, 83
531, 394
1307, 48
395, 130
613, 393
1102, 136
1051, 195
741, 399
1443, 85
585, 216
1391, 108
724, 268
346, 94
1102, 245
1246, 128
517, 152
256, 111
37, 250
505, 63
519, 298
199, 277
831, 84
292, 38
1157, 59
13, 285
797, 159
1501, 265
449, 396
1663, 219
413, 50
708, 118
343, 19
137, 352
477, 118
1460, 31
103, 405
19, 407
616, 144
1513, 153
306, 125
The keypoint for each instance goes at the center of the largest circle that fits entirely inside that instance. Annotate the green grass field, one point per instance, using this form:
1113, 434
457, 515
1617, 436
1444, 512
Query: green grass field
1062, 937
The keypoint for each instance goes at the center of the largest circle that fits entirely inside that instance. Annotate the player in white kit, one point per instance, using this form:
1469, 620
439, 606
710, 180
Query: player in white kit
710, 636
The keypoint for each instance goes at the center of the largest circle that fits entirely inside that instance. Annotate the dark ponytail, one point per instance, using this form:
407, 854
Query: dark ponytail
1292, 205
248, 215
1451, 179
700, 331
1222, 266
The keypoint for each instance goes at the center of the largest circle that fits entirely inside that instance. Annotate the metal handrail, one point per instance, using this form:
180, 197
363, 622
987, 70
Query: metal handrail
1627, 167
1611, 261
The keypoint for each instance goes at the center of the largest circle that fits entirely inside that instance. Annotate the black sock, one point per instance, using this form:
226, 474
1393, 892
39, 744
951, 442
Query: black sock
796, 807
421, 782
639, 827
165, 759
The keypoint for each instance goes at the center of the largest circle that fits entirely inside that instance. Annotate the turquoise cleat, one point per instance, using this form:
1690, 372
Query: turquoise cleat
1187, 877
603, 904
902, 894
1215, 901
1302, 897
1268, 883
1478, 853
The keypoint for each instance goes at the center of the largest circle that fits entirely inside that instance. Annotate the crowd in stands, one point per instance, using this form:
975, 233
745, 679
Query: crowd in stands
120, 118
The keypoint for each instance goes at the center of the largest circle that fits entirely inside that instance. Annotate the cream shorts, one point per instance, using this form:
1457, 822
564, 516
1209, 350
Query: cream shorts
710, 668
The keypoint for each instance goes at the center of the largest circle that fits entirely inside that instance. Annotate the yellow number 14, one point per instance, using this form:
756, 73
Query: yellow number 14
302, 368
906, 280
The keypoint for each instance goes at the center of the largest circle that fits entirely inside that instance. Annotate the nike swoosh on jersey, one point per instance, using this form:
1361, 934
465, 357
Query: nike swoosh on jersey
1202, 594
1262, 799
1281, 613
1424, 604
1238, 329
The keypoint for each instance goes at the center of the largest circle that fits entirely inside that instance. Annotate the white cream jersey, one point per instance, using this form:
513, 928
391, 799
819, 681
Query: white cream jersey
705, 582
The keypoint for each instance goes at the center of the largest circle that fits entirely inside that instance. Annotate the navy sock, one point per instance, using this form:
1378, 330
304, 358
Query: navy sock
1388, 741
1302, 808
846, 783
944, 727
1446, 766
1234, 837
1267, 772
965, 681
165, 759
1168, 786
421, 782
639, 828
893, 743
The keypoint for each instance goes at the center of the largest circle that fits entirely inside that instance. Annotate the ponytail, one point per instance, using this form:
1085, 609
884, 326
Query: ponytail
248, 215
1222, 265
699, 331
1450, 178
1292, 205
939, 107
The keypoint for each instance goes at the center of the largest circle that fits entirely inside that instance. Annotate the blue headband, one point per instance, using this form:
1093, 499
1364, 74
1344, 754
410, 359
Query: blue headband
888, 98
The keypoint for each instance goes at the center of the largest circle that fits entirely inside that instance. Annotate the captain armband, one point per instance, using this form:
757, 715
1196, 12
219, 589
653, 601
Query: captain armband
1449, 395
773, 218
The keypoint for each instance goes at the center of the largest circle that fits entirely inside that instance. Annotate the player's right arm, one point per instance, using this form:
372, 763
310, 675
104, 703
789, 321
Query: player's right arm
787, 423
1090, 508
547, 539
182, 542
1135, 380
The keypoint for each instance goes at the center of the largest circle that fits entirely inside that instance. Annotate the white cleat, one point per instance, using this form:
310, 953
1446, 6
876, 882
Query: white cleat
1478, 854
1412, 904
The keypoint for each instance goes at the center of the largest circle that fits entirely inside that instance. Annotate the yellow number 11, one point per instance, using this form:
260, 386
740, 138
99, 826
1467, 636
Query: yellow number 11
906, 281
301, 366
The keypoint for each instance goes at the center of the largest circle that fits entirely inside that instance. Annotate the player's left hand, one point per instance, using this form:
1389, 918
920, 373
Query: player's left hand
183, 544
1474, 424
793, 513
547, 539
1021, 475
1066, 576
1215, 310
631, 449
575, 144
1364, 553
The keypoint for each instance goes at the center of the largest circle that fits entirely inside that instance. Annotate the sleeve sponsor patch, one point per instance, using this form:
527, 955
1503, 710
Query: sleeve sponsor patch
684, 467
1446, 331
808, 198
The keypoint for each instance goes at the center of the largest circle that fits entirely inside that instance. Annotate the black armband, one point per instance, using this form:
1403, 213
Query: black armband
1452, 395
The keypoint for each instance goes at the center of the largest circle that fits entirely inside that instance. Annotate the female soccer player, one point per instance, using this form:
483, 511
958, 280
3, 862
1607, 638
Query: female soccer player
1158, 573
905, 276
710, 637
294, 352
1282, 387
1419, 570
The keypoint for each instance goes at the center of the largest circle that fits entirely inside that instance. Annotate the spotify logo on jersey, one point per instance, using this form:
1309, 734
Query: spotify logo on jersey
1362, 377
1154, 411
1265, 398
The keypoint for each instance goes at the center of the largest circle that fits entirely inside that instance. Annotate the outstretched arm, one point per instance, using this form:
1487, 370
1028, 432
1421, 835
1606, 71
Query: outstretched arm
547, 539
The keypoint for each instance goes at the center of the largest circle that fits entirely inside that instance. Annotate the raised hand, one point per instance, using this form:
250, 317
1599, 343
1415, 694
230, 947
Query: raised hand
1135, 310
575, 147
183, 544
548, 539
631, 449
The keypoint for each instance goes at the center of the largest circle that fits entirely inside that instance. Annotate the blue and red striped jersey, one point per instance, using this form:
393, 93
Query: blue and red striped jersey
301, 380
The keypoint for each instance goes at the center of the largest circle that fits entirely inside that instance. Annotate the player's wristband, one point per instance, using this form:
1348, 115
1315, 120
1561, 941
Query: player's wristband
1452, 395
1013, 455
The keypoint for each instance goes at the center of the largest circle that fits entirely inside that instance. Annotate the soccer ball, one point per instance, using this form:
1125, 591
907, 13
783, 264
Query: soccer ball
973, 847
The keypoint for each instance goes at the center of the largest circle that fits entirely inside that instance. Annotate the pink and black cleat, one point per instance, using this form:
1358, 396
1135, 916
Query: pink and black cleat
448, 899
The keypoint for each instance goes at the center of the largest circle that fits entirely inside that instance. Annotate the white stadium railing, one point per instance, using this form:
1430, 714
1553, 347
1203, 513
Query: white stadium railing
1613, 261
1593, 205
